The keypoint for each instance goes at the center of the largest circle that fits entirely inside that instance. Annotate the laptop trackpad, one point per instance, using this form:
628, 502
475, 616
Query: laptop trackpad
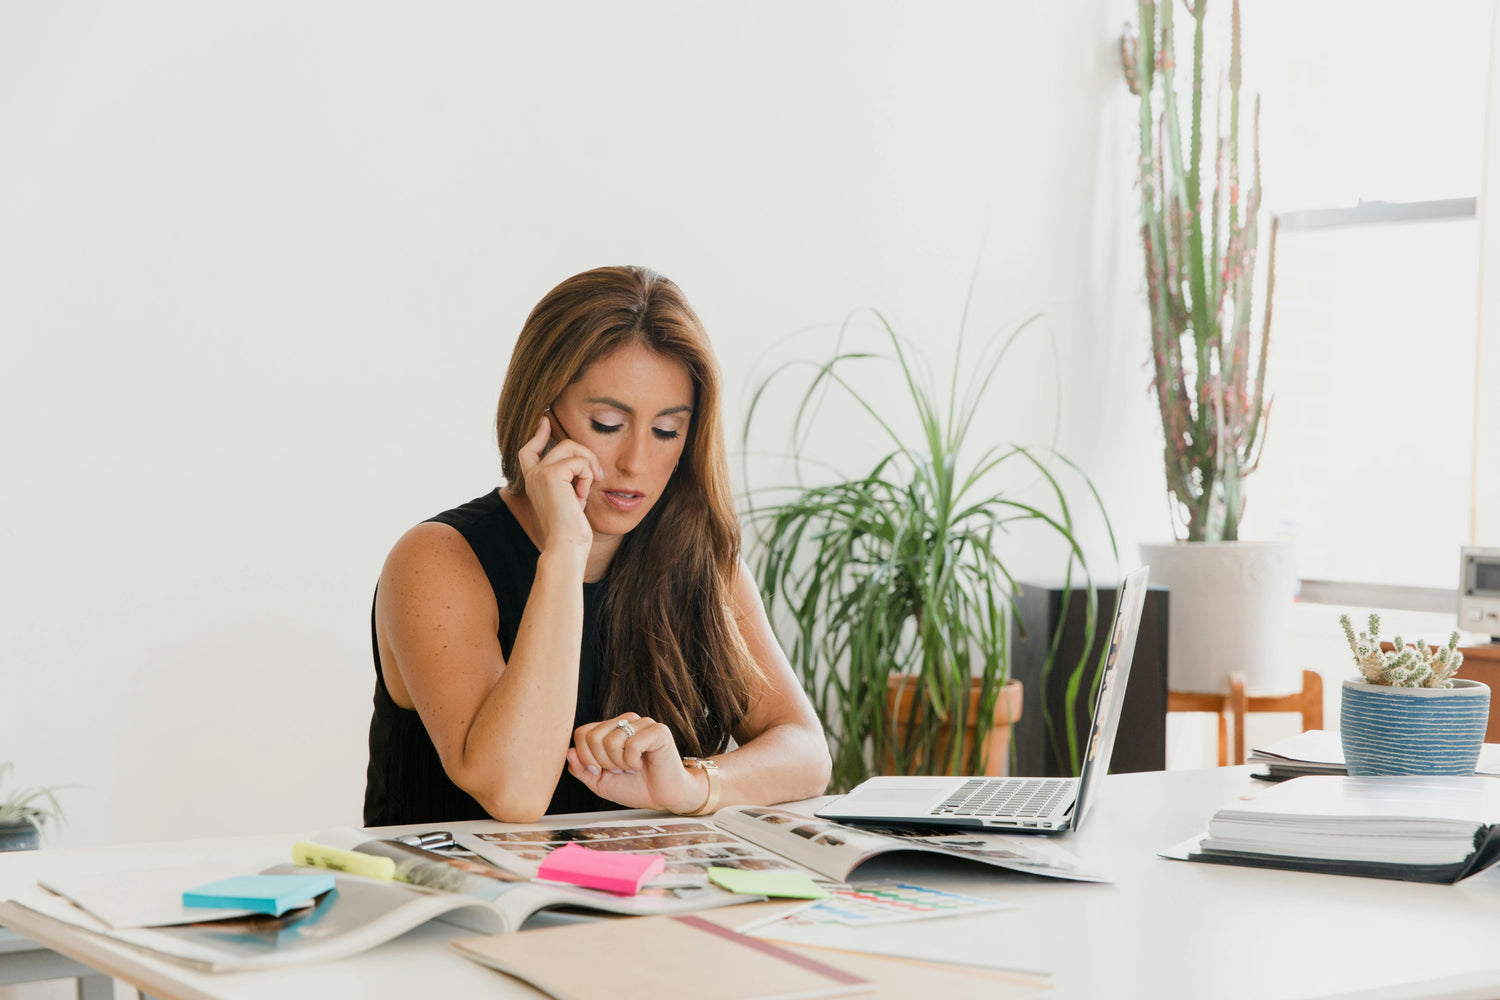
908, 794
888, 797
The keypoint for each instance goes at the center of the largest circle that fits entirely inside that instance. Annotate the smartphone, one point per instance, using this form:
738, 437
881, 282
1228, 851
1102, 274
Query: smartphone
555, 435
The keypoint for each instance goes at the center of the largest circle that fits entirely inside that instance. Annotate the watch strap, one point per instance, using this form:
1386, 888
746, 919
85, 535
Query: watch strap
711, 769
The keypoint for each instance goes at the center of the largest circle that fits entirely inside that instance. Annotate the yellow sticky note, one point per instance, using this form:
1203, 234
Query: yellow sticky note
787, 885
305, 852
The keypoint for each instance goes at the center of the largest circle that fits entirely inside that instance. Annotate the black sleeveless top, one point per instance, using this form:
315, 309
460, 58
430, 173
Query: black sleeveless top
405, 782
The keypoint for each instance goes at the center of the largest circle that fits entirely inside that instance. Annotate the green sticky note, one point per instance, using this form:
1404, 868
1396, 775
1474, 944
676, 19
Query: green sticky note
787, 885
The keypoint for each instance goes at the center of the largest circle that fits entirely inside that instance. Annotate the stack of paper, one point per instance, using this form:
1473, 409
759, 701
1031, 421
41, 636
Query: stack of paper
1417, 828
1320, 752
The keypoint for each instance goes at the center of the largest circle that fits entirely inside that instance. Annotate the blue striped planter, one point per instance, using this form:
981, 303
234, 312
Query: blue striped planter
22, 836
1400, 730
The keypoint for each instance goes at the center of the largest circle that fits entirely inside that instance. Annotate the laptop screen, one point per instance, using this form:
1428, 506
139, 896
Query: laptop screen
1111, 696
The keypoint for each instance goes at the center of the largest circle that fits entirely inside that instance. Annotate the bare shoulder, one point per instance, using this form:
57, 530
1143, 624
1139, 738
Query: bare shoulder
744, 594
435, 615
431, 568
429, 545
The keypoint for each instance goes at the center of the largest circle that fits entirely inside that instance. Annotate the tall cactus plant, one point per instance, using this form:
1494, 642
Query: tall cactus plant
1200, 263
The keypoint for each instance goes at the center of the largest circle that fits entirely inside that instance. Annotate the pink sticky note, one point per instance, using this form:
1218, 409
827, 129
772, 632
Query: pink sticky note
611, 870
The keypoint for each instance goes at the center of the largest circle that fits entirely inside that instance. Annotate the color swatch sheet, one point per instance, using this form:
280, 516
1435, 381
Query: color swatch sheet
888, 902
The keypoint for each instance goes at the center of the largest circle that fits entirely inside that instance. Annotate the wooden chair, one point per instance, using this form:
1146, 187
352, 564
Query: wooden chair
1308, 701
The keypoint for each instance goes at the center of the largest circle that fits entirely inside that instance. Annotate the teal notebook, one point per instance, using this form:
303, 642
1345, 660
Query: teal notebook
273, 894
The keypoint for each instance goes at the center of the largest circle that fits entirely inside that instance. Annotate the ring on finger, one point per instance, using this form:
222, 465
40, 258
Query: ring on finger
625, 725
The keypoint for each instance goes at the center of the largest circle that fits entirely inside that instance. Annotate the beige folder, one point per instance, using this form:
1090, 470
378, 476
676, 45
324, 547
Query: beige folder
691, 957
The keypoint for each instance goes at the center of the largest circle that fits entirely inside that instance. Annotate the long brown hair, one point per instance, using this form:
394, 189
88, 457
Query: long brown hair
671, 648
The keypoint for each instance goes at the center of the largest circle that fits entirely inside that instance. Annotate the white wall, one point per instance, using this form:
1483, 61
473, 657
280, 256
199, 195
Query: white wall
1486, 499
261, 267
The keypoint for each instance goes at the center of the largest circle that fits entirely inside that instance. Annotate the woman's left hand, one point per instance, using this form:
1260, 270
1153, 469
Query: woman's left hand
642, 770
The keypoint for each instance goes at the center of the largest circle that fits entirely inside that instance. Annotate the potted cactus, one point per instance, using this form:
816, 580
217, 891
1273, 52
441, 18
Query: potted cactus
1406, 713
1200, 233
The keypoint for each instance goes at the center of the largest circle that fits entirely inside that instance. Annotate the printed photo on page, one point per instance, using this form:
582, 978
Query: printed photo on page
764, 838
691, 847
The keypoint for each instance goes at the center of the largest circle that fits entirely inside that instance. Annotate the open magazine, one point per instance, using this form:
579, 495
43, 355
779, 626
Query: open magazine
763, 838
357, 914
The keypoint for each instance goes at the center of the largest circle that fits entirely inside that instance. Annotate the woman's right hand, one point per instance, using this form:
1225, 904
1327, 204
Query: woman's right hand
558, 481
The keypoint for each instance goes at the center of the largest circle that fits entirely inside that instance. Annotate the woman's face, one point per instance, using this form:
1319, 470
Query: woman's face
632, 409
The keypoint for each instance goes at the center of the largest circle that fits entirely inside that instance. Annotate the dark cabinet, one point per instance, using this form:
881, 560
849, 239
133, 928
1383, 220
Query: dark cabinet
1040, 748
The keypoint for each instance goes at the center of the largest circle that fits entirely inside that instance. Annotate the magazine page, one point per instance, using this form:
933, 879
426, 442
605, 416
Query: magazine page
149, 897
516, 897
427, 868
153, 897
691, 847
871, 903
357, 914
360, 913
830, 849
835, 849
1034, 855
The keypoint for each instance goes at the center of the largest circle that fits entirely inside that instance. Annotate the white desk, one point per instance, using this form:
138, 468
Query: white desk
1164, 929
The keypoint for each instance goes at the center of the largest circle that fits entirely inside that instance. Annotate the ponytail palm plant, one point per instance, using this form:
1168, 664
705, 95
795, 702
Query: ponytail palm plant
899, 571
23, 811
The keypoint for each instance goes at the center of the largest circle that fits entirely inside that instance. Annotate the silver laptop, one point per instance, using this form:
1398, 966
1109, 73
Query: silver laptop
1034, 805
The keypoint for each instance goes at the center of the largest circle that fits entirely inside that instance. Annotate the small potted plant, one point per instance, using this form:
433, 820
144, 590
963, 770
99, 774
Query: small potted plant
1406, 713
22, 813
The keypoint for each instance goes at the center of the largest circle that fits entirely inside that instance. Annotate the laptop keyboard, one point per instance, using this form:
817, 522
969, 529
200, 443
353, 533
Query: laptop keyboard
1020, 797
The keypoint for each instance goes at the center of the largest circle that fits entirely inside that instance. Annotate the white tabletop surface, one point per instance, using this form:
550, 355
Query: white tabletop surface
1163, 929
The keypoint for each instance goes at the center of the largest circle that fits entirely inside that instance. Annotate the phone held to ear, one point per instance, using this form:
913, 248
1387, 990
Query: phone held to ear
555, 436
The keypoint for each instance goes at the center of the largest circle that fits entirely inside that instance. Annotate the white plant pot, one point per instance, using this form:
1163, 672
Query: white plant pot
1230, 608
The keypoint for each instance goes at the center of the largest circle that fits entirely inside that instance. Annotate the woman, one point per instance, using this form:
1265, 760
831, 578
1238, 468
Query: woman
597, 600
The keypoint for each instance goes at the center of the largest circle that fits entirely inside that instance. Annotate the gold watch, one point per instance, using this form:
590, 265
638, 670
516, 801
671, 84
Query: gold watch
711, 769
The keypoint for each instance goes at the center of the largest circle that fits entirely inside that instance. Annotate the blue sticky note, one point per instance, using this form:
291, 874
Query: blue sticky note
273, 894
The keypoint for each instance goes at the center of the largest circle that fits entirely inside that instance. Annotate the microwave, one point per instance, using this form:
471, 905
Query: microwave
1479, 590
